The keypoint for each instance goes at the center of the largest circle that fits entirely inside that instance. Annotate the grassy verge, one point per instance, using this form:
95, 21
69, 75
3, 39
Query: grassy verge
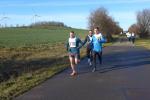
36, 64
14, 87
143, 42
28, 56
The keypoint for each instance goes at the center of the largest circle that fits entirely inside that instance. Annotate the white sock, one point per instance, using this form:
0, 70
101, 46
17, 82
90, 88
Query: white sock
89, 60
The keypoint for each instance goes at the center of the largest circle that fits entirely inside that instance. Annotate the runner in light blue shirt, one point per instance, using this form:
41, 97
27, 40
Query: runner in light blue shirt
97, 41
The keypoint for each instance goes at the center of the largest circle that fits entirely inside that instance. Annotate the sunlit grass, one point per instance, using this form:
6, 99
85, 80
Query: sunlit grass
28, 37
14, 87
143, 42
23, 48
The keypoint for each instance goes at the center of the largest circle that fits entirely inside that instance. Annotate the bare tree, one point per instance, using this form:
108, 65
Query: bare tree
143, 20
106, 23
97, 18
134, 28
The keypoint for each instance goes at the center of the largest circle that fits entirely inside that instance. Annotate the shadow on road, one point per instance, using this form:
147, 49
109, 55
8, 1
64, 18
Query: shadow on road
125, 57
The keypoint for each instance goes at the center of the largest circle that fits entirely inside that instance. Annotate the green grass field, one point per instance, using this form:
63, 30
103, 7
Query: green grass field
21, 37
35, 54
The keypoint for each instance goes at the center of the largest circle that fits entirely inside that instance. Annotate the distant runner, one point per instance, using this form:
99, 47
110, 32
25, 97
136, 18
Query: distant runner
128, 36
73, 47
88, 40
133, 37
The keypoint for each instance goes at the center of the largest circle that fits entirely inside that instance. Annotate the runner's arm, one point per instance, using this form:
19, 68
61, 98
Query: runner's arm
67, 45
103, 40
85, 41
80, 43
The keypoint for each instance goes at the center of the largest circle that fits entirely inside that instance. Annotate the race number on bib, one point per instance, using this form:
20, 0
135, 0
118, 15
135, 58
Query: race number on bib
72, 42
90, 38
98, 36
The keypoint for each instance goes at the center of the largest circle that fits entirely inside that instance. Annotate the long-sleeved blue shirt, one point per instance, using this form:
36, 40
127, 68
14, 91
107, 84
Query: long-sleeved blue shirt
97, 41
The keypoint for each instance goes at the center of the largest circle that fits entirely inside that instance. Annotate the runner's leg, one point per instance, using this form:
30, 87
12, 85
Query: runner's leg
77, 59
94, 61
72, 62
89, 56
100, 57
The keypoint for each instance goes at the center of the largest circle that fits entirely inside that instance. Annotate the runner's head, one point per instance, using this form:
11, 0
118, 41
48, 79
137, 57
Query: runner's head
72, 34
96, 30
90, 32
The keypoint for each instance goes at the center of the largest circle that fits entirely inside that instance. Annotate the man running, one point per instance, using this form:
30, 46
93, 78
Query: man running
128, 36
73, 47
97, 40
88, 40
133, 37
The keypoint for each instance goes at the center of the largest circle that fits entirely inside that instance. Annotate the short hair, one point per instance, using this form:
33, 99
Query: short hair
90, 30
96, 28
71, 31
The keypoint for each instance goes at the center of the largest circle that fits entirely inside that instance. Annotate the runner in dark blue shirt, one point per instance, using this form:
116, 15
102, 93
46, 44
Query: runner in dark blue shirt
88, 40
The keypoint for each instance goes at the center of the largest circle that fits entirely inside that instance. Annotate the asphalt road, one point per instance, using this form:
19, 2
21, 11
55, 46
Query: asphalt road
124, 75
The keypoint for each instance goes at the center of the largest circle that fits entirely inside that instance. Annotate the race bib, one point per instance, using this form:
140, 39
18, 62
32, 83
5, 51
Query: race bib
72, 42
90, 38
98, 36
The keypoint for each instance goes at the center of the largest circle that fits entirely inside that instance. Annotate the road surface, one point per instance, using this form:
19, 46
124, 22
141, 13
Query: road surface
124, 75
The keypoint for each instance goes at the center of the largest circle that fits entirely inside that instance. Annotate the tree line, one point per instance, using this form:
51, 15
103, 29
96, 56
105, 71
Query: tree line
142, 25
48, 23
